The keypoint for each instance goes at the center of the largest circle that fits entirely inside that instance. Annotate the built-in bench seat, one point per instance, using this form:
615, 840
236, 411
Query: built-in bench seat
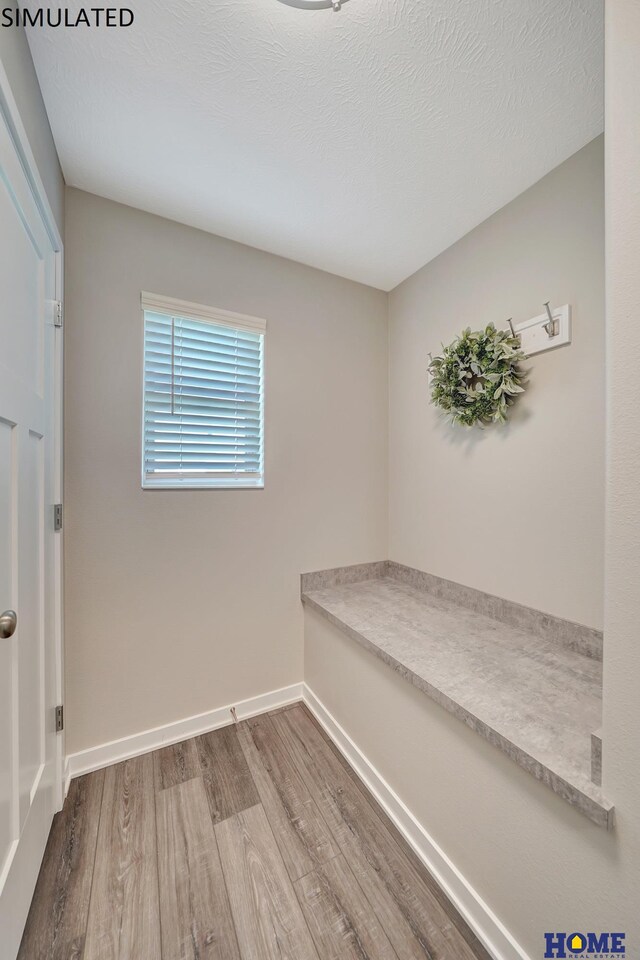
529, 683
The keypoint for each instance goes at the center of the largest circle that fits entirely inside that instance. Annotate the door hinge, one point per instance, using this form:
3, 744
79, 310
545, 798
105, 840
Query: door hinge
57, 313
57, 516
59, 719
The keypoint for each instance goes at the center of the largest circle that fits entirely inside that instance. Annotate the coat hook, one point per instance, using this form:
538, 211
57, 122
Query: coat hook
550, 325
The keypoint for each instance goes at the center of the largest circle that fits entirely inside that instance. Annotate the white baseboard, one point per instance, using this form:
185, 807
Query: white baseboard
484, 923
107, 753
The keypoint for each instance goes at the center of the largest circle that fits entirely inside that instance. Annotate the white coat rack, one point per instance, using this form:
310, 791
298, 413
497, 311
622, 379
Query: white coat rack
547, 331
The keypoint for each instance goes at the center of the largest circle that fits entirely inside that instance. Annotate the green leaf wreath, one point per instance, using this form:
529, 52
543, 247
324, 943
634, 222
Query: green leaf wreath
477, 377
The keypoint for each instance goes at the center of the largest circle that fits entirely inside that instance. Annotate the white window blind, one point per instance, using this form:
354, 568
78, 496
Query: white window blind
203, 396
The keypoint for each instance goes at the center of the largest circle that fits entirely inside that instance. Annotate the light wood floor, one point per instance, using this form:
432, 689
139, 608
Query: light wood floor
255, 842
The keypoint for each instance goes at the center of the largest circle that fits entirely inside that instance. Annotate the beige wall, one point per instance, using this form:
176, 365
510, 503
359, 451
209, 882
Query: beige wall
178, 602
621, 730
16, 60
515, 511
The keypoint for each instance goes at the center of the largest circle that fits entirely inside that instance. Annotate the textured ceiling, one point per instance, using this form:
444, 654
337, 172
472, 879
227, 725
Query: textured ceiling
362, 142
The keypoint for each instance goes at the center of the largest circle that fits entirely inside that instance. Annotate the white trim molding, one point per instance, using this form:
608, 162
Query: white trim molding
485, 924
105, 754
9, 108
185, 308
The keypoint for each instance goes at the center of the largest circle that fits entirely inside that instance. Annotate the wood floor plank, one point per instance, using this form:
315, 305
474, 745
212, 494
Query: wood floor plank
57, 920
414, 919
268, 917
301, 833
124, 914
176, 763
226, 775
477, 949
194, 907
341, 919
287, 706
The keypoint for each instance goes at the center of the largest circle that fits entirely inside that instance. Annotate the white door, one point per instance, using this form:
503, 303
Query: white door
29, 545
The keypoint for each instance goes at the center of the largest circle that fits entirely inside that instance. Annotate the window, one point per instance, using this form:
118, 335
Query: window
203, 396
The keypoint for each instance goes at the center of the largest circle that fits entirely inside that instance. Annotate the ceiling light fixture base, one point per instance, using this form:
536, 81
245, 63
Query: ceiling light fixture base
314, 4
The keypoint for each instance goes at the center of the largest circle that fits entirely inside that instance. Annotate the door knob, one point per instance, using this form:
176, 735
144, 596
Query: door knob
8, 622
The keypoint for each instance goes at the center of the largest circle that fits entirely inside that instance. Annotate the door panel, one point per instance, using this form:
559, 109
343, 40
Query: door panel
20, 277
28, 458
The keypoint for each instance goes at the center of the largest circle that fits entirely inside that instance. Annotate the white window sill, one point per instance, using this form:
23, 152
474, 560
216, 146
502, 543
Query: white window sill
202, 485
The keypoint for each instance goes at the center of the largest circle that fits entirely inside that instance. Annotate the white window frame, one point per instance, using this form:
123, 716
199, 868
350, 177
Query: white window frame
225, 318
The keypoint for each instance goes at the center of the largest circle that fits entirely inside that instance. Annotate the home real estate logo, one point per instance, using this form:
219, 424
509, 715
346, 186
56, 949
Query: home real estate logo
594, 946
